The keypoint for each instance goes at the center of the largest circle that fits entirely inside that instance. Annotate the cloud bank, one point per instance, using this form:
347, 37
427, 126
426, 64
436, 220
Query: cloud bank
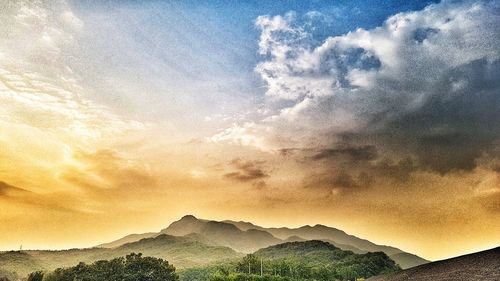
423, 85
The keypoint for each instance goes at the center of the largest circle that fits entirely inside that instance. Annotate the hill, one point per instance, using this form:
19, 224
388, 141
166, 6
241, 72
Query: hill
313, 251
180, 251
128, 239
480, 266
305, 261
338, 238
407, 260
223, 234
246, 237
19, 262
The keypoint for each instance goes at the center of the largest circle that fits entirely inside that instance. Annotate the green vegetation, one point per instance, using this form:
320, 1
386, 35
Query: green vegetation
292, 261
310, 260
246, 237
134, 267
35, 276
182, 251
205, 250
13, 263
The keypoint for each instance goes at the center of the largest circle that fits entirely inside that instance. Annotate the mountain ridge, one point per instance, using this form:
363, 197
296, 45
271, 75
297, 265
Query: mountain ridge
247, 237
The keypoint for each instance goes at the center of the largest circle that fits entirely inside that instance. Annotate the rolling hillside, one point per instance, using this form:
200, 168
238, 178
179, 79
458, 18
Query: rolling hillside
128, 239
246, 237
321, 232
313, 251
309, 260
325, 256
192, 242
180, 251
480, 266
223, 234
337, 238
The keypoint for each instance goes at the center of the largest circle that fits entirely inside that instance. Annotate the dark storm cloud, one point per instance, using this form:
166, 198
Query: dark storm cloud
419, 92
363, 153
345, 180
247, 171
453, 128
340, 179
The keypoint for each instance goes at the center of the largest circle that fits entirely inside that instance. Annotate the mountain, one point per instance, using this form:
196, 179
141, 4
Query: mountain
181, 251
294, 238
338, 238
319, 259
223, 234
19, 262
128, 239
312, 251
320, 232
407, 260
246, 237
480, 266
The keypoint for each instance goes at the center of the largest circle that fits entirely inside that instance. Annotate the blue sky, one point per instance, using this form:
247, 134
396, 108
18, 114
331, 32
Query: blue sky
211, 43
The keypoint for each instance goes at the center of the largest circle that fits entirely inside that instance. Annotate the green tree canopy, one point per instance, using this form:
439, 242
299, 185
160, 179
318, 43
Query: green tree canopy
133, 267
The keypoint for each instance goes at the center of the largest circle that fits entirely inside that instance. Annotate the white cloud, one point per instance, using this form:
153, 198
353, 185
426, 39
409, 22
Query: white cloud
46, 116
37, 85
320, 92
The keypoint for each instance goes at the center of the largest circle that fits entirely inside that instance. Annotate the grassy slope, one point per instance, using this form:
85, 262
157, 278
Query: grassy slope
180, 251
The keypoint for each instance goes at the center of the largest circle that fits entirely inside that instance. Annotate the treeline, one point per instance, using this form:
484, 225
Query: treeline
133, 267
254, 268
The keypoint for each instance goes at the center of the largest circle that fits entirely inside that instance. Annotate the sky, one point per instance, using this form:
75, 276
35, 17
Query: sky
380, 118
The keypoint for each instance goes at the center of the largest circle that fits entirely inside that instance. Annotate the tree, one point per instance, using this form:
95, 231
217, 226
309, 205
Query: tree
133, 267
35, 276
249, 264
138, 268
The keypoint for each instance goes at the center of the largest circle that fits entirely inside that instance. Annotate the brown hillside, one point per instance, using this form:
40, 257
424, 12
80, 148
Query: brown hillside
480, 266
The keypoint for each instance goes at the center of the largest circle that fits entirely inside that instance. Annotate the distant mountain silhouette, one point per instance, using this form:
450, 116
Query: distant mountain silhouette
480, 266
223, 234
338, 238
128, 239
191, 242
246, 237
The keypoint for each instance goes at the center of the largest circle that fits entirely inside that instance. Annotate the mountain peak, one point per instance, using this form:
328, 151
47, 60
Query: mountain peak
188, 217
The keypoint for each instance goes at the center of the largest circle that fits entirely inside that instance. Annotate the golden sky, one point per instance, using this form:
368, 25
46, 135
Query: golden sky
102, 136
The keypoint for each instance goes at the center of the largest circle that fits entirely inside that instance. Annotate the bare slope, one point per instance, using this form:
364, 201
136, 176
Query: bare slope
480, 266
